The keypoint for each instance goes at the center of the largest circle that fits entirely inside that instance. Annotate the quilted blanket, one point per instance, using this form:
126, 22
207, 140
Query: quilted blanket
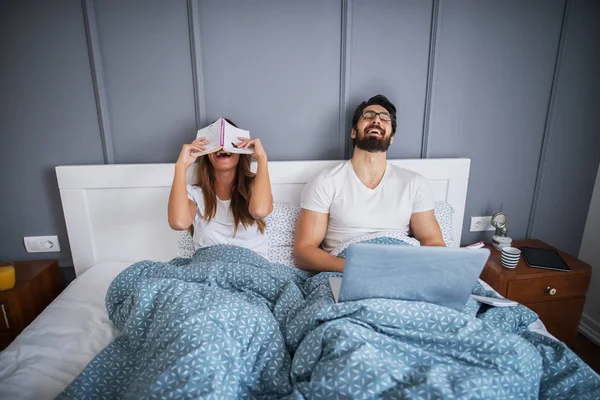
228, 324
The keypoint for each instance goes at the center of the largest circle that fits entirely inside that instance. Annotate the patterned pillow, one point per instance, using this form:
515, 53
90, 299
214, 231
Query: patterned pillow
282, 255
443, 213
276, 254
281, 231
281, 224
185, 244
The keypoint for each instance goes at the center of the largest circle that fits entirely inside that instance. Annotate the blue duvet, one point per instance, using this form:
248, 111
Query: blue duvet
229, 324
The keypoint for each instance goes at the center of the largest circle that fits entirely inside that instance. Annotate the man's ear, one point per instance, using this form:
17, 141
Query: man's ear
392, 140
353, 133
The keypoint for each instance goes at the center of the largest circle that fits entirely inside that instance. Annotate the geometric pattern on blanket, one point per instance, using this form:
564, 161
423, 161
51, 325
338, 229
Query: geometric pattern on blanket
400, 349
228, 324
385, 237
208, 326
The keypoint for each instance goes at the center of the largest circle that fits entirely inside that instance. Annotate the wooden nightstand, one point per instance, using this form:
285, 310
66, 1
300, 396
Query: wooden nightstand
37, 283
532, 287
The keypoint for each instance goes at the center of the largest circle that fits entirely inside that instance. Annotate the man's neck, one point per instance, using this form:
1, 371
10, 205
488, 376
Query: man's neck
369, 167
224, 183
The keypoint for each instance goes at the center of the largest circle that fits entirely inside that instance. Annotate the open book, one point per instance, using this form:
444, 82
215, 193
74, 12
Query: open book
222, 135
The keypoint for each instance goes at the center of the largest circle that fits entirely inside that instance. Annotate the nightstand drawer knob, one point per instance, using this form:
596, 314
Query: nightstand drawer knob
551, 291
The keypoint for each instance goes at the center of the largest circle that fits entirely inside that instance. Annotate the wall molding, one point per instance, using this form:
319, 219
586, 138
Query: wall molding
94, 50
196, 56
435, 12
345, 49
590, 328
560, 54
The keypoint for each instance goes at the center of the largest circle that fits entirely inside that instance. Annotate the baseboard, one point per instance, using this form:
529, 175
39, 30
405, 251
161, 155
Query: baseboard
590, 329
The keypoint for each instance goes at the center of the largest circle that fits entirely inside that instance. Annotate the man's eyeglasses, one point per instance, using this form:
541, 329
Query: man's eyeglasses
370, 114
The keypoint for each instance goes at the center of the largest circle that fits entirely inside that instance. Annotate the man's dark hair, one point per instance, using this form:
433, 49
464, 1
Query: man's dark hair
379, 100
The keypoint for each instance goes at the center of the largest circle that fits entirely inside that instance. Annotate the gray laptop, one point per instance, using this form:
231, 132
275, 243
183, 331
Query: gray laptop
439, 275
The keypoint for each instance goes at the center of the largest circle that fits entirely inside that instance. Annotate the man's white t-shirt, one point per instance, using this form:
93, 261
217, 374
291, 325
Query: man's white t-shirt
355, 210
219, 230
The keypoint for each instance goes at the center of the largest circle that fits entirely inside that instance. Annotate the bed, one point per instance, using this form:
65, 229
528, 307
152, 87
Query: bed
116, 216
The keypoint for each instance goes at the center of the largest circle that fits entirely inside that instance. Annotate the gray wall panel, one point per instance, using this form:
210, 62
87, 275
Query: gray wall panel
389, 55
572, 150
274, 68
290, 72
494, 67
145, 49
47, 117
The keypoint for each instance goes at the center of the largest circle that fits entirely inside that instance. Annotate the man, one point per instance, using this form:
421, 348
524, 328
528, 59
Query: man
363, 195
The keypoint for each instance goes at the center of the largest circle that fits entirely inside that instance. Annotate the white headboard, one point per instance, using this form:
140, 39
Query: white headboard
119, 212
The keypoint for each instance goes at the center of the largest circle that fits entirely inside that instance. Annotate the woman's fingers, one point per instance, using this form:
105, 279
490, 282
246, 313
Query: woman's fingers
245, 143
197, 147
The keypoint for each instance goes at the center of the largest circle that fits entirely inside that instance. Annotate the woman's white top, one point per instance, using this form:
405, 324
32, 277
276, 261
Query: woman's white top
219, 230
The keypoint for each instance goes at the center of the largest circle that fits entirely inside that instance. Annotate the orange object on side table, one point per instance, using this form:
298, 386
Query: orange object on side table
7, 275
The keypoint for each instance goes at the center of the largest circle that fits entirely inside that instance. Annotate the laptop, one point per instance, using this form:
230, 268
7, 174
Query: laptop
438, 275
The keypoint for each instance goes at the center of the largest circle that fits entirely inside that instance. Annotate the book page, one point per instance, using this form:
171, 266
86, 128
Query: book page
213, 133
231, 139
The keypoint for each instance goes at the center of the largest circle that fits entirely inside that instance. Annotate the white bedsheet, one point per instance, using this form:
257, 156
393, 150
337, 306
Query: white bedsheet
62, 340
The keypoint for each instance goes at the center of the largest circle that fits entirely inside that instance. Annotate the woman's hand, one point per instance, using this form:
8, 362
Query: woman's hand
255, 144
190, 152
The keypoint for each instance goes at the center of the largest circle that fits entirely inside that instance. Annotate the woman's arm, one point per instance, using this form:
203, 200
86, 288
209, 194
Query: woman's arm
181, 210
261, 198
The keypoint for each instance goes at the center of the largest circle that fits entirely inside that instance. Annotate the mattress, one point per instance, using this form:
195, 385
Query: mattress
62, 340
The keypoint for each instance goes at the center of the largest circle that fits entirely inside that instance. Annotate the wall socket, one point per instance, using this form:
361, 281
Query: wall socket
41, 244
480, 224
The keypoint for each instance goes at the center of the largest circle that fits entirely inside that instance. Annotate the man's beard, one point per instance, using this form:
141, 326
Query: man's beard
373, 144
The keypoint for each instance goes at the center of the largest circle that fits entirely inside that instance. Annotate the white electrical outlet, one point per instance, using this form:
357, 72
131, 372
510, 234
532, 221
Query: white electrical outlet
480, 224
41, 244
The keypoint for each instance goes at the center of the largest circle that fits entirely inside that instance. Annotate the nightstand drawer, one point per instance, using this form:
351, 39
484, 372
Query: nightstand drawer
5, 339
541, 289
561, 318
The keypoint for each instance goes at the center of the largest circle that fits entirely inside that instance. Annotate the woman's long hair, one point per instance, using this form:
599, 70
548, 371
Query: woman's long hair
241, 189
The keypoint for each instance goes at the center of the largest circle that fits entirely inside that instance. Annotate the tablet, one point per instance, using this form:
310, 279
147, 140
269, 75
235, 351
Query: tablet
544, 258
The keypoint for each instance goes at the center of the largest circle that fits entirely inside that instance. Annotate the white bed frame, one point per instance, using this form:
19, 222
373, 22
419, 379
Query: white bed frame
119, 212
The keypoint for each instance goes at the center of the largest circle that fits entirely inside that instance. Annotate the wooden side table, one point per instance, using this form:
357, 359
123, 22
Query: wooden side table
557, 297
38, 282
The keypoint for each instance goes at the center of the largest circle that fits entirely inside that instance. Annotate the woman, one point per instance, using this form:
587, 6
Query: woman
228, 203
